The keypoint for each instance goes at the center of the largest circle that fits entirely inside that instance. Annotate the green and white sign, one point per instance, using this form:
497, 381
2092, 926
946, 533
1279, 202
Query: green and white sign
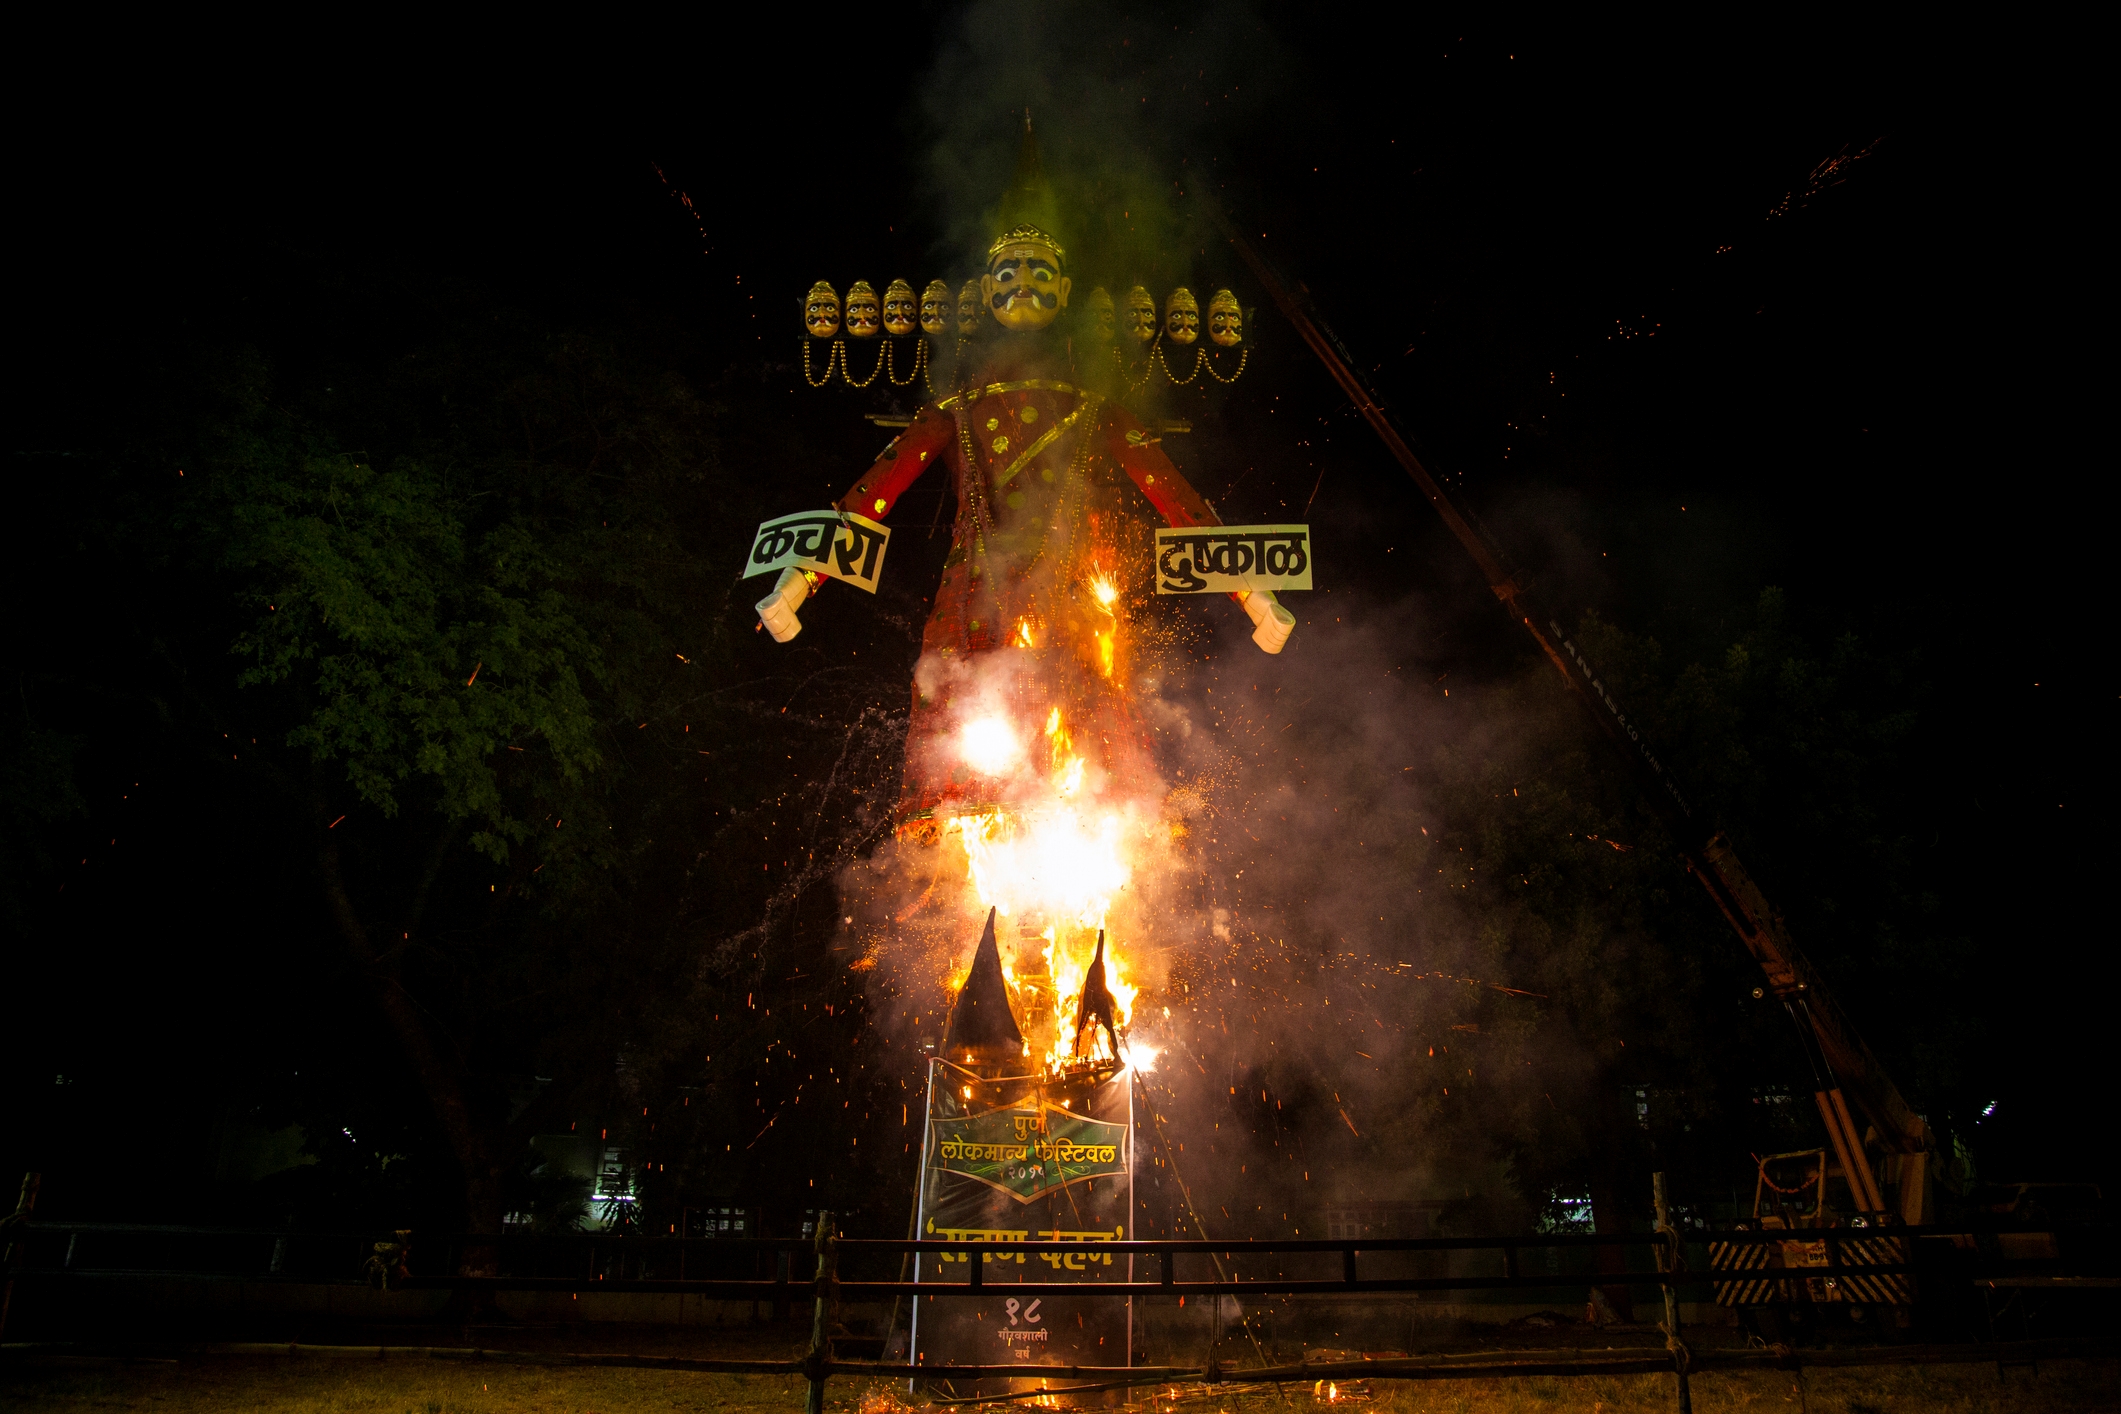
1232, 559
1027, 1152
846, 546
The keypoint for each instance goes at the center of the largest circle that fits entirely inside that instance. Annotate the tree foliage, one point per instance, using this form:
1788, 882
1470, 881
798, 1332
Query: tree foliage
465, 602
429, 646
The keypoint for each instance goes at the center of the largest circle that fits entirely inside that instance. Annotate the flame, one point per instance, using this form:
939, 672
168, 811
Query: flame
1060, 861
1023, 634
1069, 964
1106, 592
1067, 767
1060, 864
989, 746
1056, 862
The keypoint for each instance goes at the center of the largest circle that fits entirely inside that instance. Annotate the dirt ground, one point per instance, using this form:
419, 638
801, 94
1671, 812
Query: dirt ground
319, 1385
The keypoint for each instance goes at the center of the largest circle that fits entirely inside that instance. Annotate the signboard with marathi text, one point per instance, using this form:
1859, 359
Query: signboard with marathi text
1232, 559
843, 545
1027, 1151
1022, 1161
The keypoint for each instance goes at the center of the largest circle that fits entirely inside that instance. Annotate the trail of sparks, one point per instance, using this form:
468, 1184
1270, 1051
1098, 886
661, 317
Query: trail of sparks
1830, 173
706, 246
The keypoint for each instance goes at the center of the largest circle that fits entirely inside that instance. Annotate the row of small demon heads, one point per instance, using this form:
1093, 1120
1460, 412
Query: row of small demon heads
900, 312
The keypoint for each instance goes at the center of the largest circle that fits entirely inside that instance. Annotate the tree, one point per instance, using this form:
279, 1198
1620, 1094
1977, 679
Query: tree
476, 642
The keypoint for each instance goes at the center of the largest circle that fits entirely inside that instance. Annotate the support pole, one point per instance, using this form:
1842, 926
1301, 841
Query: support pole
1860, 1176
1669, 1265
825, 1315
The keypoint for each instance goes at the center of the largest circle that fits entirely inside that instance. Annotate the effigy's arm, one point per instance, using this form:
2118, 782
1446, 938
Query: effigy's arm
910, 453
1180, 505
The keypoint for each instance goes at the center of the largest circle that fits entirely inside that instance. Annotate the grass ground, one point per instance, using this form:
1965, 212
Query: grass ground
311, 1385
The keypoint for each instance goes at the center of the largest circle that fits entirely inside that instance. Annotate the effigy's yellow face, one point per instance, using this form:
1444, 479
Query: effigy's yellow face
863, 316
1103, 315
935, 308
1181, 317
968, 308
1024, 288
900, 308
1226, 320
821, 311
1141, 315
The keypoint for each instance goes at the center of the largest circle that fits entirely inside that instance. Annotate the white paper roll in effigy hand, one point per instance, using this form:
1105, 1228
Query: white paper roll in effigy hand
1272, 624
777, 610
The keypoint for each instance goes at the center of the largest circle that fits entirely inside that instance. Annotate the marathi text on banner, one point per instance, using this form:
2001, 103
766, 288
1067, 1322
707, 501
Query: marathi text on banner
986, 1208
1230, 559
1059, 1261
845, 546
1027, 1155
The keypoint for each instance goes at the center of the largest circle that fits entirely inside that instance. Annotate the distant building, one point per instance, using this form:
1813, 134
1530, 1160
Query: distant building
721, 1221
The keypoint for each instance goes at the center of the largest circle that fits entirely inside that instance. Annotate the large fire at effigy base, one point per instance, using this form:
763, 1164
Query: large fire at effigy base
1020, 1148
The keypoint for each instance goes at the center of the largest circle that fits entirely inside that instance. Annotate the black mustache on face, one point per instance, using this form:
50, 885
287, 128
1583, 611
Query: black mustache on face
1038, 297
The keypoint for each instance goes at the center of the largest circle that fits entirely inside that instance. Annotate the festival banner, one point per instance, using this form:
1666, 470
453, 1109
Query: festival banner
1232, 559
840, 544
1027, 1151
1023, 1166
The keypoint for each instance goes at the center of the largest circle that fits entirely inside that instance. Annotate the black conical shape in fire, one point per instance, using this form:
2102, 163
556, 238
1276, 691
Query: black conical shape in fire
982, 1022
1097, 1003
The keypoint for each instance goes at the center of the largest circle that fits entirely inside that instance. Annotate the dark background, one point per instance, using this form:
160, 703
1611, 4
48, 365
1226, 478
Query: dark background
1590, 272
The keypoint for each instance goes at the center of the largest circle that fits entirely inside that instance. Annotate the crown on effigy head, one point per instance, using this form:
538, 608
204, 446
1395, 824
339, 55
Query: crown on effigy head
1026, 234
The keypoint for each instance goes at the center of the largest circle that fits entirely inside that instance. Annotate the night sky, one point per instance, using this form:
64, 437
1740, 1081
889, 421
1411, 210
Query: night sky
1614, 287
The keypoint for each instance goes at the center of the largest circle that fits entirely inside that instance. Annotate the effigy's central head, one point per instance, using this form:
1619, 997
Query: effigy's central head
1023, 287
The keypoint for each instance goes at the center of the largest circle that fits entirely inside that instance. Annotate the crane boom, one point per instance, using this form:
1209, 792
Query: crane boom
1842, 1064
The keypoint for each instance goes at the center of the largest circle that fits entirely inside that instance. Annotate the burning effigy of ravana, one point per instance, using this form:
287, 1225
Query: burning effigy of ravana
1025, 744
1009, 1156
1054, 486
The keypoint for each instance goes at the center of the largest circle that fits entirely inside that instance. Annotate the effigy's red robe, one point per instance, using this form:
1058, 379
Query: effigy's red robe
1054, 485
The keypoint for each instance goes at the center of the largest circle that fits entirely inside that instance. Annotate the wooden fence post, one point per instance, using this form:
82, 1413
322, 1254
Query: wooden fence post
1669, 1265
825, 1315
783, 1265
